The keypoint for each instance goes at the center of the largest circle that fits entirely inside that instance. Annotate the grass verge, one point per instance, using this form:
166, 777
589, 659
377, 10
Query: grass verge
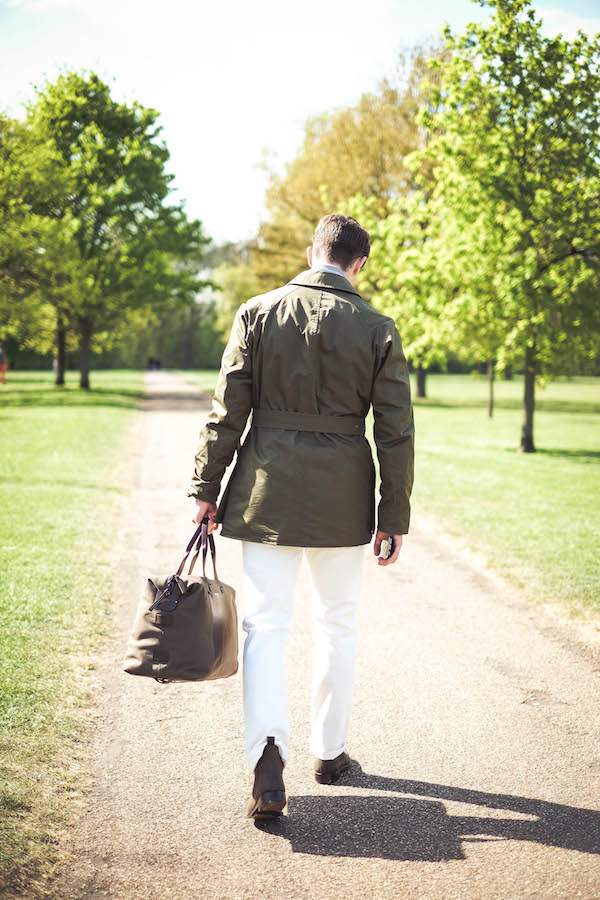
535, 516
60, 449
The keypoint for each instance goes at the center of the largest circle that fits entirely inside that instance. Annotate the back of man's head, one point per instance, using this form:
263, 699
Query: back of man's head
340, 240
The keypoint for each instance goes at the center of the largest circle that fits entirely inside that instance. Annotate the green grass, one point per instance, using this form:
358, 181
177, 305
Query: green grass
205, 379
59, 449
536, 517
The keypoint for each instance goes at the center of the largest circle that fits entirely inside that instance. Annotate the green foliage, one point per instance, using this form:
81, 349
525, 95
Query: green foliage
496, 254
404, 276
18, 251
236, 283
514, 146
355, 150
101, 236
181, 338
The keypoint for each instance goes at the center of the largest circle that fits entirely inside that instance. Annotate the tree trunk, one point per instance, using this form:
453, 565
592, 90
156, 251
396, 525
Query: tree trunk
508, 372
186, 346
421, 374
491, 374
85, 358
61, 343
527, 445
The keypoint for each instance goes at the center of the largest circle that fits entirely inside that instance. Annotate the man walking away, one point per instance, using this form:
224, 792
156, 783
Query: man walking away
307, 360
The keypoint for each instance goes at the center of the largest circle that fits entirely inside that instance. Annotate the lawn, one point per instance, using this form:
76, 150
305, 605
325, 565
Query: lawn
60, 498
536, 517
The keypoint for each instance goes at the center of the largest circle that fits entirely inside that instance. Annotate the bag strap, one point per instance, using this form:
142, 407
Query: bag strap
205, 541
188, 549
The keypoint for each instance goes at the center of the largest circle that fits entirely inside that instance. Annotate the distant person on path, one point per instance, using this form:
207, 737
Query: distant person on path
307, 360
3, 364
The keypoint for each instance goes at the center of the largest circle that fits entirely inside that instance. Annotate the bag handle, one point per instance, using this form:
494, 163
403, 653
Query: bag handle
188, 549
205, 541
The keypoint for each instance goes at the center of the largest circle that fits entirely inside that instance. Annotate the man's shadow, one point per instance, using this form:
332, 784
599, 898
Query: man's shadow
412, 828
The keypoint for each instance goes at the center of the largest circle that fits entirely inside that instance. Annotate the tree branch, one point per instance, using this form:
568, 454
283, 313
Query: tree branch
572, 251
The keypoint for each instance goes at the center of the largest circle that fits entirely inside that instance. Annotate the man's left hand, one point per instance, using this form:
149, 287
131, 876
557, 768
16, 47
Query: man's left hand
206, 509
381, 536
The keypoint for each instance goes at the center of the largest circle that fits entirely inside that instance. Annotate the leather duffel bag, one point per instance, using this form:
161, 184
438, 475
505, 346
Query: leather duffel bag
185, 629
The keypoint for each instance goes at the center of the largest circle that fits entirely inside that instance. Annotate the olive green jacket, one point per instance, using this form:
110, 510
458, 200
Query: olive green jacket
312, 346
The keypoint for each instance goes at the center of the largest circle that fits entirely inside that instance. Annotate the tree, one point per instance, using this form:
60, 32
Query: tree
17, 252
130, 247
355, 150
182, 338
34, 249
402, 278
406, 276
515, 123
464, 251
235, 283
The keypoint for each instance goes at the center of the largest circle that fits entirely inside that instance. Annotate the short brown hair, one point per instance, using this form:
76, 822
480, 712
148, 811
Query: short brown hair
341, 240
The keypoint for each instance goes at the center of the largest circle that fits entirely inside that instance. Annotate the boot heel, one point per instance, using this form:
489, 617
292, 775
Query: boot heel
268, 792
269, 805
323, 778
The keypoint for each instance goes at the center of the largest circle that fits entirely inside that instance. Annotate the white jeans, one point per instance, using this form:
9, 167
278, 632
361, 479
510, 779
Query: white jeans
270, 574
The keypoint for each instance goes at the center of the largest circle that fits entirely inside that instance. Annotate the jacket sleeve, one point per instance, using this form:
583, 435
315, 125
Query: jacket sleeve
231, 406
394, 432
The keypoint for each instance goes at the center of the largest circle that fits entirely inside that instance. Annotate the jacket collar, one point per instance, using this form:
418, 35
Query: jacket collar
315, 278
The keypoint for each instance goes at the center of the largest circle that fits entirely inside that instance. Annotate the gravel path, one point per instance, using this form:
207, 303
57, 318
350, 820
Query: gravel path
475, 736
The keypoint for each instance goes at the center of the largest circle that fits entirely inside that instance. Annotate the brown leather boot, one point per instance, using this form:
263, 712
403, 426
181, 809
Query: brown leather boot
328, 771
268, 793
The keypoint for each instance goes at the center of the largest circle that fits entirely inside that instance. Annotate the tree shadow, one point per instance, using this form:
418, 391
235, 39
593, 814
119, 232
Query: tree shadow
34, 378
126, 398
413, 828
60, 483
173, 401
56, 397
581, 407
576, 454
584, 455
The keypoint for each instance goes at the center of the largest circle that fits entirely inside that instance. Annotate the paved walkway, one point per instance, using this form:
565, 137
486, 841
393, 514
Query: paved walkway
475, 736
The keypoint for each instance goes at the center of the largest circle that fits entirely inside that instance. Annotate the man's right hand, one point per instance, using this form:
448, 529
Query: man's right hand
206, 509
381, 536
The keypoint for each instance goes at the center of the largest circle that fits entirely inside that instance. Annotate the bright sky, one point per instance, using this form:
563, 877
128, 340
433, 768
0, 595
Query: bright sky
234, 80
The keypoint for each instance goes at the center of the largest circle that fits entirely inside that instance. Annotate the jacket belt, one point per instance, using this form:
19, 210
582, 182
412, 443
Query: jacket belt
296, 421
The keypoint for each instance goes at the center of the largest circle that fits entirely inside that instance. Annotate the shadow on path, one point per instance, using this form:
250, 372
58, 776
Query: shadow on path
409, 828
165, 400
